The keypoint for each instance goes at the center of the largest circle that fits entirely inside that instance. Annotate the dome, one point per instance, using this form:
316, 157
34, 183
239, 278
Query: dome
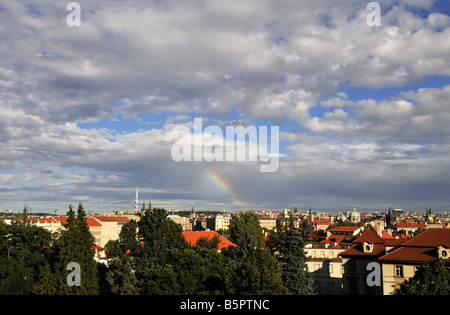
354, 214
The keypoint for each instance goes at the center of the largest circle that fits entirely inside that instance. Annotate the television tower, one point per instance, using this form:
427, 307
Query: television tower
136, 199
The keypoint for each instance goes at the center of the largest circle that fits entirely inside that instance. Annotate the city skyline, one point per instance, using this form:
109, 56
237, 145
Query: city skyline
88, 111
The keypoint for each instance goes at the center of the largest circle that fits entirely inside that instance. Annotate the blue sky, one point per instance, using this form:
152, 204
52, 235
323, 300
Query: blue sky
87, 112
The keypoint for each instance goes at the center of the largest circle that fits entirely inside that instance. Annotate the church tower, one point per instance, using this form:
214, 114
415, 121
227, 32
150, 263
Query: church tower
391, 217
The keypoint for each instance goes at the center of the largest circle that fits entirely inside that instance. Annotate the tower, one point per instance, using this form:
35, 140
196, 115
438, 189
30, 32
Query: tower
136, 199
391, 217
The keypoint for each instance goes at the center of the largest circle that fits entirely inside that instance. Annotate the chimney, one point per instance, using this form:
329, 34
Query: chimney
380, 227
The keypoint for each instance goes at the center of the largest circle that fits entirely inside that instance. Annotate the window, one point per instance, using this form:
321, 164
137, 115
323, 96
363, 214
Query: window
316, 267
399, 271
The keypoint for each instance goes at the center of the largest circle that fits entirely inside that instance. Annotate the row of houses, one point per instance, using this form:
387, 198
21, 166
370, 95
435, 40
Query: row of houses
340, 263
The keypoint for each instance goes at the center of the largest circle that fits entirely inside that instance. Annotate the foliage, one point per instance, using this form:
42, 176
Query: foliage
23, 256
246, 232
258, 273
295, 276
75, 244
432, 278
150, 257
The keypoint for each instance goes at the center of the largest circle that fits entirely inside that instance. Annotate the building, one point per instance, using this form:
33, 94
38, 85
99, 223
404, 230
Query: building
268, 223
391, 217
324, 261
354, 217
136, 200
218, 222
185, 223
401, 264
408, 226
367, 248
105, 228
102, 228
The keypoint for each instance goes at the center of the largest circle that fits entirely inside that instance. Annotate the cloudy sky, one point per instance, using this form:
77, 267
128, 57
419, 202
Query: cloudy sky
87, 112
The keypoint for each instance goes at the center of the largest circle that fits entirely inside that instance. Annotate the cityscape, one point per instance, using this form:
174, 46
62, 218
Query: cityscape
204, 151
337, 246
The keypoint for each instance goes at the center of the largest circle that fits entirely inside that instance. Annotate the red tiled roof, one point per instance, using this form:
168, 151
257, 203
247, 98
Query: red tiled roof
400, 224
386, 235
409, 254
91, 222
420, 248
369, 235
430, 238
112, 219
344, 229
193, 237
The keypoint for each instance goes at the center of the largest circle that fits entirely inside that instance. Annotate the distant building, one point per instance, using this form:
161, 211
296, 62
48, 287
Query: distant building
218, 222
186, 225
268, 223
391, 217
355, 217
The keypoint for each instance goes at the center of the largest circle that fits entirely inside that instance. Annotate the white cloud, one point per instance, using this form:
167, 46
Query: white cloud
248, 60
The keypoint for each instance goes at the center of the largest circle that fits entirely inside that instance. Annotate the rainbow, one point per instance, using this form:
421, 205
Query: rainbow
223, 185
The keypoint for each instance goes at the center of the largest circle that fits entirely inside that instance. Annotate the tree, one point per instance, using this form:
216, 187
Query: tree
246, 232
207, 243
23, 256
75, 244
119, 278
159, 234
258, 273
295, 277
432, 278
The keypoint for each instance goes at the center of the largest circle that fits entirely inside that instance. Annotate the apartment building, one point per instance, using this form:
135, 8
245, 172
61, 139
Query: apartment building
401, 264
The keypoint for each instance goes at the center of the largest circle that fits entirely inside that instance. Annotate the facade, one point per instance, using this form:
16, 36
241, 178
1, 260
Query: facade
186, 225
326, 268
103, 228
106, 228
268, 223
366, 249
218, 222
401, 264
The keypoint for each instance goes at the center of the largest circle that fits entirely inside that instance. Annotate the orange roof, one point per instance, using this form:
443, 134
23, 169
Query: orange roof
420, 248
400, 224
112, 219
344, 229
193, 237
89, 220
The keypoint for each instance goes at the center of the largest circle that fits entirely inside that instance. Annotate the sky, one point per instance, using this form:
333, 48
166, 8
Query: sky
88, 112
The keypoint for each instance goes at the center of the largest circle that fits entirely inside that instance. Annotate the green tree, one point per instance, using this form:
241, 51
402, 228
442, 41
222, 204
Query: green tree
119, 277
159, 235
246, 232
258, 273
295, 274
432, 278
75, 244
24, 250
